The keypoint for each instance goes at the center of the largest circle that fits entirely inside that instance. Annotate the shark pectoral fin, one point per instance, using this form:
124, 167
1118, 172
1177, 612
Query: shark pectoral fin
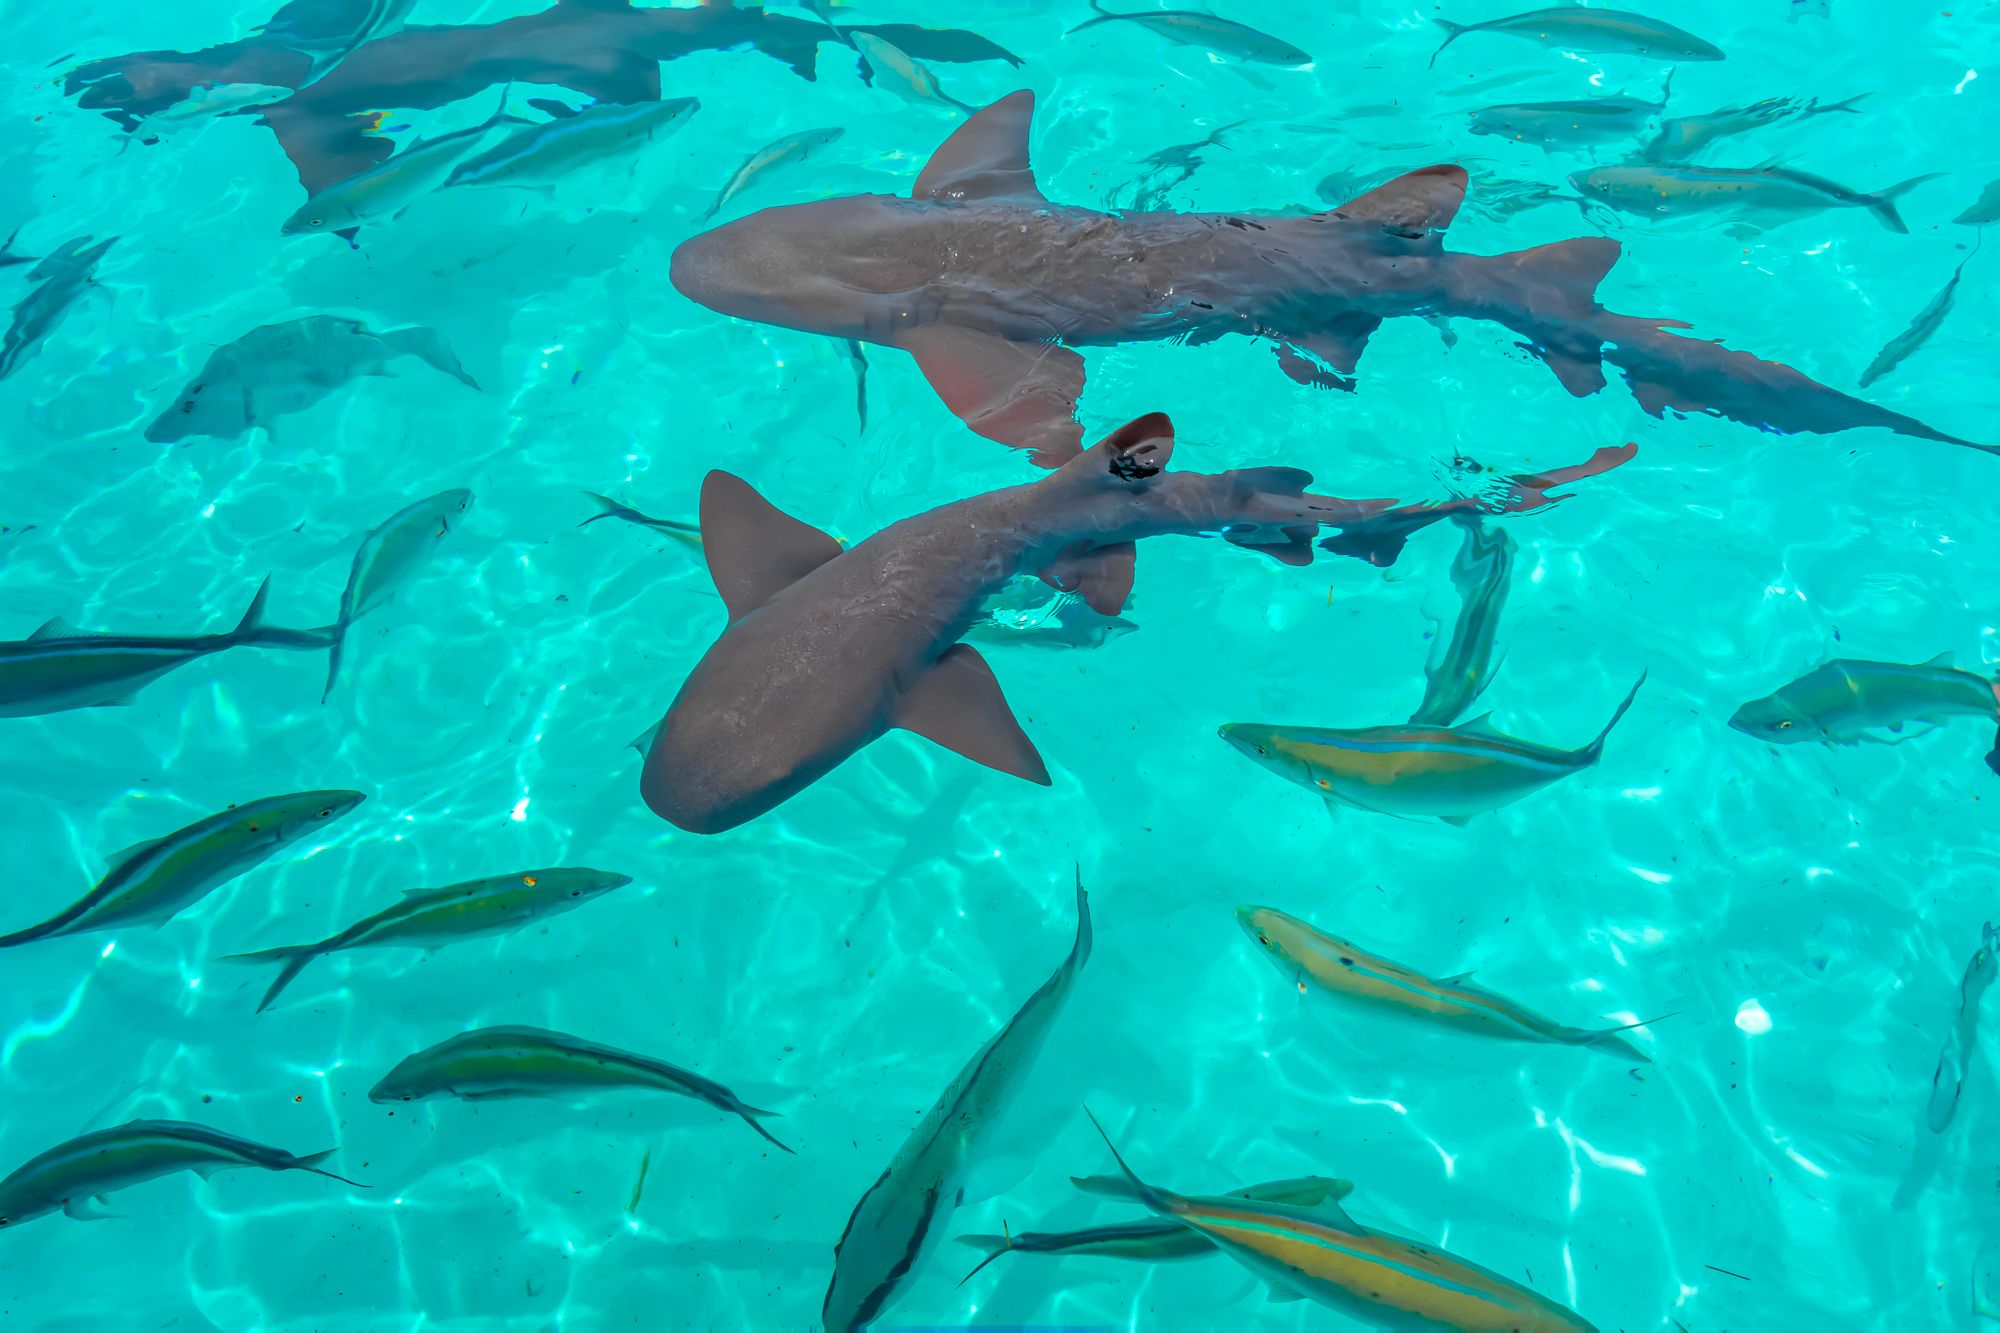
1581, 374
1414, 204
1326, 359
1101, 575
986, 157
958, 704
1021, 394
643, 742
754, 549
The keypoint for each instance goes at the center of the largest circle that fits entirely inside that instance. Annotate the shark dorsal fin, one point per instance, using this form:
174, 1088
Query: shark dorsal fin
958, 704
985, 158
1138, 449
754, 548
1415, 204
57, 628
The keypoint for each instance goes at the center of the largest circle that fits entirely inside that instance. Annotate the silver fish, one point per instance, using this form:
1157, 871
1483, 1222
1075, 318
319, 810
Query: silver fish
60, 279
1191, 27
896, 69
60, 667
1899, 348
688, 534
387, 188
433, 918
388, 558
1682, 137
1033, 615
900, 1218
1575, 28
1589, 120
1462, 665
276, 370
487, 1063
74, 1177
1948, 1083
543, 154
151, 882
779, 153
1777, 193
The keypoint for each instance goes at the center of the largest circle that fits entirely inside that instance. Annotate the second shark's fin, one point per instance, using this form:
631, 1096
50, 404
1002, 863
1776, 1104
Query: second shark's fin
754, 549
985, 158
1326, 359
1415, 205
1101, 575
958, 704
1022, 394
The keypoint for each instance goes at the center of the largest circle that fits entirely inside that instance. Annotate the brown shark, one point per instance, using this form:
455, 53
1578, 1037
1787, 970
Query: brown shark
606, 49
826, 649
991, 286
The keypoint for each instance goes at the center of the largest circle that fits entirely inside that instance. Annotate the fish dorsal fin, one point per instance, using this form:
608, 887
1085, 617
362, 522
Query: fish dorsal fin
58, 628
1415, 204
985, 158
755, 549
1457, 978
1478, 726
1947, 658
958, 704
124, 854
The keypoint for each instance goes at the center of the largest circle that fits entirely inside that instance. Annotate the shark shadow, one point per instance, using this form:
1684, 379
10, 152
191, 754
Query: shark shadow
991, 286
605, 49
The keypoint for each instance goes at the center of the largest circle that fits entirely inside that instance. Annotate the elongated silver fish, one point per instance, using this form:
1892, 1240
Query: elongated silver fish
1848, 700
1311, 959
388, 558
1767, 194
1682, 137
773, 156
1462, 665
544, 154
60, 278
60, 667
1192, 27
387, 188
688, 534
276, 370
900, 1218
74, 1177
1575, 28
895, 69
1948, 1083
486, 1063
1583, 121
151, 882
1901, 347
434, 918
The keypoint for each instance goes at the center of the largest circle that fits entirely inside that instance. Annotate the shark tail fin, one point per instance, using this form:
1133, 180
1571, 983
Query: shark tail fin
1883, 202
1596, 746
294, 957
429, 345
1452, 32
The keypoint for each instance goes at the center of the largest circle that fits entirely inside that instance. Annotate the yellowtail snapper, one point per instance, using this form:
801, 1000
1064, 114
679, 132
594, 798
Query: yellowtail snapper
153, 881
898, 1221
388, 557
60, 667
432, 918
771, 157
1383, 1281
891, 67
1848, 701
74, 1177
494, 1062
1413, 770
1311, 959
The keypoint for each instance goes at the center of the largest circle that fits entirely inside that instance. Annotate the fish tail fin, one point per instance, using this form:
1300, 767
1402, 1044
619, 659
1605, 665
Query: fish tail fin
1452, 32
1993, 756
294, 957
311, 1162
253, 615
428, 345
1667, 86
1103, 16
1111, 1187
335, 648
1847, 105
750, 1116
1596, 747
995, 1246
1883, 203
1612, 1040
252, 629
1145, 1193
606, 508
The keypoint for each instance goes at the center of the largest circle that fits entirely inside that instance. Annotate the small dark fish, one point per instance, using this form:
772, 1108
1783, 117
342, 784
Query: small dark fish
1191, 27
1682, 137
1574, 28
685, 533
639, 1185
1777, 193
61, 277
1900, 347
1171, 166
1948, 1083
1984, 210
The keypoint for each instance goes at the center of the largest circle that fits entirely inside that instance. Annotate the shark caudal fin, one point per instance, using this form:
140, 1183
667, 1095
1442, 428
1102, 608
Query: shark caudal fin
294, 957
1883, 202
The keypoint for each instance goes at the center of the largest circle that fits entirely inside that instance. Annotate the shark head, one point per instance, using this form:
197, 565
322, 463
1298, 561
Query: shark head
823, 267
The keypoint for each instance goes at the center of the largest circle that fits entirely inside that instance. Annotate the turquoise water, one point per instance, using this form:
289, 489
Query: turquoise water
1804, 913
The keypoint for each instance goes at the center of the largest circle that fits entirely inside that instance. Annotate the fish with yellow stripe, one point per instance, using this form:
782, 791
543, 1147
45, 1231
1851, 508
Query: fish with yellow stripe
1312, 959
1384, 1281
1415, 770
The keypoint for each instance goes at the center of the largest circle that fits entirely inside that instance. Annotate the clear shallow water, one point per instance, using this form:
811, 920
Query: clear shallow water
1696, 871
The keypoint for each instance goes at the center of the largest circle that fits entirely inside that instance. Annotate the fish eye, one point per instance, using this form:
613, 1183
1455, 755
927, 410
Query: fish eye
1263, 939
1260, 749
326, 813
315, 222
1785, 724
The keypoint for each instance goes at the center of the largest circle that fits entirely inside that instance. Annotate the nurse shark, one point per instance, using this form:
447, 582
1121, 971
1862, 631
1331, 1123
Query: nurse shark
826, 649
991, 286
